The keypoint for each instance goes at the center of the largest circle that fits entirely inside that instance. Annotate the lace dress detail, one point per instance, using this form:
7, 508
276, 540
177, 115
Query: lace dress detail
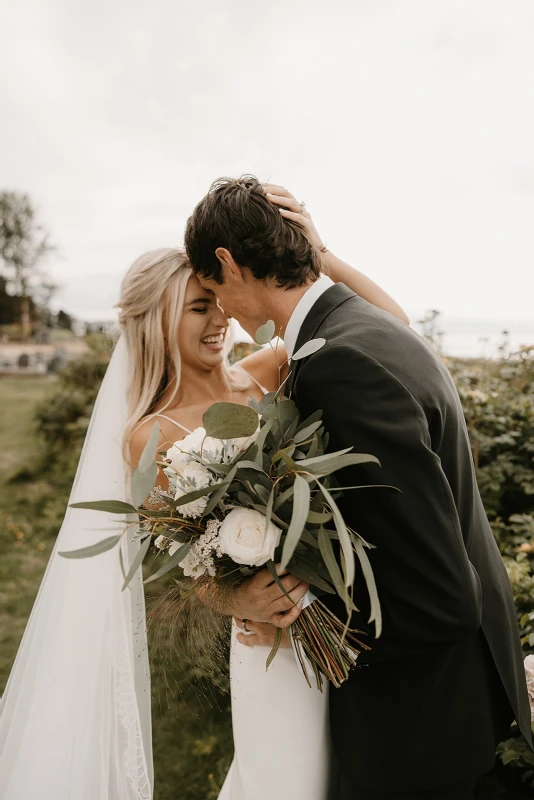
127, 708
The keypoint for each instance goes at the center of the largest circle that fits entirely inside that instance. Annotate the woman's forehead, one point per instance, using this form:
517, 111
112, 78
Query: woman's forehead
195, 291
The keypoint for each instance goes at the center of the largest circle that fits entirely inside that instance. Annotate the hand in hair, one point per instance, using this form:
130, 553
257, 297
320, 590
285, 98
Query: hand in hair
290, 208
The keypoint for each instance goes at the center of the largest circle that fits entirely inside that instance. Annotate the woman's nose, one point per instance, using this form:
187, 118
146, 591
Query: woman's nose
220, 312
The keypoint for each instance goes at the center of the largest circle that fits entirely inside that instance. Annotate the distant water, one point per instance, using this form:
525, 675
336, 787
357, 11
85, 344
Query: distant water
469, 345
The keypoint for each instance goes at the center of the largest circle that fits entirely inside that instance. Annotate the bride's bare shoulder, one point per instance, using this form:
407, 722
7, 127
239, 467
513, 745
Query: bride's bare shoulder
267, 367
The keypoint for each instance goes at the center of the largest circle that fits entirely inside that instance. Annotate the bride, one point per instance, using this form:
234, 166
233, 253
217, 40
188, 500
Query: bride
75, 716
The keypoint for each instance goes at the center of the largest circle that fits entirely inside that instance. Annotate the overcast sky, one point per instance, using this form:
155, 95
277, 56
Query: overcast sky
406, 125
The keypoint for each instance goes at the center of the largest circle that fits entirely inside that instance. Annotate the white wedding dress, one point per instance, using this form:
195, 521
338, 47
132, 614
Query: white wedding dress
280, 725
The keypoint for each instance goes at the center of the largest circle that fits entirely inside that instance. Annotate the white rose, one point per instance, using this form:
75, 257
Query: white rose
529, 670
243, 537
193, 476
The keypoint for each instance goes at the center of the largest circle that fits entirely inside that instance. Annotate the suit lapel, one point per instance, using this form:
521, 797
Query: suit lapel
327, 302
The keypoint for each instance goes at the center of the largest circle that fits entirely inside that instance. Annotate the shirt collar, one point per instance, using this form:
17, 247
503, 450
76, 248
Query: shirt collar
302, 309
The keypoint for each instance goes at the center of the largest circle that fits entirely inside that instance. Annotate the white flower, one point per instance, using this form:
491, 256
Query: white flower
161, 542
200, 557
194, 445
529, 670
243, 537
192, 476
242, 444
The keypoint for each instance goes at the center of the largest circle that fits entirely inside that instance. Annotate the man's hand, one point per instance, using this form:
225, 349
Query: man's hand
259, 634
261, 600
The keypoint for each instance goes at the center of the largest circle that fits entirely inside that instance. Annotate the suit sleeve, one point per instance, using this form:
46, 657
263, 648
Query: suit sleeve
429, 591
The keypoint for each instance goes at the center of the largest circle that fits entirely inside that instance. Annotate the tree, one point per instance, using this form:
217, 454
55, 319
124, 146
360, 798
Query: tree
64, 320
24, 244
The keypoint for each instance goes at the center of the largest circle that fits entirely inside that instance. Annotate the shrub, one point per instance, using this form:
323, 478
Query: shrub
498, 403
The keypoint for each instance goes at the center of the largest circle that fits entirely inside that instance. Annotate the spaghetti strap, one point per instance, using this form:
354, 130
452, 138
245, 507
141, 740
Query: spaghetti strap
169, 419
253, 379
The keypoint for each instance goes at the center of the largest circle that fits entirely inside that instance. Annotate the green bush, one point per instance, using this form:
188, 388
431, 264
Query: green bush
192, 737
498, 401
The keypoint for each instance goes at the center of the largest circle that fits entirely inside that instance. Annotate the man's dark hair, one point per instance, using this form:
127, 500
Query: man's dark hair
237, 215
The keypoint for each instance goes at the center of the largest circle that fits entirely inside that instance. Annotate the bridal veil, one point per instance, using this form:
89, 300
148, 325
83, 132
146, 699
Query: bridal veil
75, 716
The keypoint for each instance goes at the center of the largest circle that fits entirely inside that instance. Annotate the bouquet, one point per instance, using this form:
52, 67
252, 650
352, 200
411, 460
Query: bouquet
252, 488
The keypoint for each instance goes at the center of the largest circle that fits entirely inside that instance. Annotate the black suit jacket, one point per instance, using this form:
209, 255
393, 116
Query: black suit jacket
438, 690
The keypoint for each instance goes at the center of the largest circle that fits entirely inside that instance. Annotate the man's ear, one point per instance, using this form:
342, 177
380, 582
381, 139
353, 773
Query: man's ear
229, 267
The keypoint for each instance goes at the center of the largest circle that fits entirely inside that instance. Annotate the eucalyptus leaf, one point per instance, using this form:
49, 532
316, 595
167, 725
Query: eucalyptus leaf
111, 506
143, 483
121, 563
344, 538
218, 495
265, 332
92, 549
195, 495
266, 401
230, 421
308, 349
284, 411
249, 465
301, 507
283, 498
305, 433
284, 456
319, 517
271, 566
332, 462
315, 417
148, 455
171, 562
327, 552
305, 573
261, 439
275, 648
376, 611
262, 492
138, 560
269, 509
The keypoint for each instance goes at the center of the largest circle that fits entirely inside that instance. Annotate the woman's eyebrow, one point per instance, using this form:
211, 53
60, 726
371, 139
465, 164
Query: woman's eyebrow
200, 300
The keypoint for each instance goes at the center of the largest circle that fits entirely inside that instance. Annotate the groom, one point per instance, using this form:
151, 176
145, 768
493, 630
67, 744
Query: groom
421, 715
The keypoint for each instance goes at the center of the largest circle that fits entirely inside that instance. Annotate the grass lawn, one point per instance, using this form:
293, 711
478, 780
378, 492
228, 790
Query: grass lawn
191, 718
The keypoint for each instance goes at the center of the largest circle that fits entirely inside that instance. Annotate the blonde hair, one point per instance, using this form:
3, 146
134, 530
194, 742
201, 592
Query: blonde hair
151, 305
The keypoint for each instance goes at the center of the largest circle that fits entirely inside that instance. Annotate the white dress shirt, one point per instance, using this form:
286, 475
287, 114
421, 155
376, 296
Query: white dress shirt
302, 309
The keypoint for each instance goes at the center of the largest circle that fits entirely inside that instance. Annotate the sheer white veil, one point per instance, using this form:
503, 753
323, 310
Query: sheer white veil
75, 716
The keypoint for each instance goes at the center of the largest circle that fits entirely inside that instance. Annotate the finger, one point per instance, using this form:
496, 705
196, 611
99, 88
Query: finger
287, 202
286, 620
240, 623
286, 603
262, 579
274, 592
296, 217
273, 188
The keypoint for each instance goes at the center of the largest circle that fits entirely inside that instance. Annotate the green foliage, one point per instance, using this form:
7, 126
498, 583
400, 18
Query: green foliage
498, 402
192, 736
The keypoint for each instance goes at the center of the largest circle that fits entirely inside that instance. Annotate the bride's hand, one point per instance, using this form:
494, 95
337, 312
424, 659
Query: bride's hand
290, 208
259, 634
